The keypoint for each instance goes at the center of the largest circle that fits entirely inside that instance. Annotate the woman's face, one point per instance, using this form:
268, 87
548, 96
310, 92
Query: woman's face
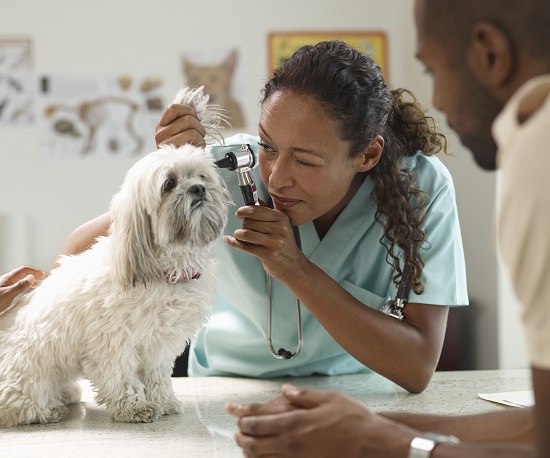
303, 161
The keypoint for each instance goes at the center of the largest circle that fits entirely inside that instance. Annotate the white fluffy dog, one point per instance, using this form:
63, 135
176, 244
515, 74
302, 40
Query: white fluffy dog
120, 313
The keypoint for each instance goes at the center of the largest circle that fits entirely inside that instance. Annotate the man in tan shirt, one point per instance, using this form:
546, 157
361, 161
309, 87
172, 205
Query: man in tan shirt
489, 59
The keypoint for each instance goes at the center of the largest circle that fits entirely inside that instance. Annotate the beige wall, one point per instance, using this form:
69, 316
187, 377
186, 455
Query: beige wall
44, 199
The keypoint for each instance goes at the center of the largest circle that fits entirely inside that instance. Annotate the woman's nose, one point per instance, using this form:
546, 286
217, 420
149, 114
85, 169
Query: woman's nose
281, 174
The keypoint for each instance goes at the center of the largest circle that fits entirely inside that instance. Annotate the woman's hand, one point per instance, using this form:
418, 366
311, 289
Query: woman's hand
178, 125
16, 282
267, 234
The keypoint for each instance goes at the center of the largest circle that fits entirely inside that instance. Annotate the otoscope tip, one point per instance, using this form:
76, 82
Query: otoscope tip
227, 162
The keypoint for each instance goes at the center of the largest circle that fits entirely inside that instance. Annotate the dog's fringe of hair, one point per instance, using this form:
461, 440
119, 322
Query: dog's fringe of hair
212, 116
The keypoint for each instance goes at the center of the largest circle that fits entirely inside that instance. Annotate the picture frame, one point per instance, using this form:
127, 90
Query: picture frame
281, 45
16, 81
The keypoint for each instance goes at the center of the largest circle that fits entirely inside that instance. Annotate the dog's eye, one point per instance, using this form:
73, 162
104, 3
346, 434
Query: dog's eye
168, 185
203, 177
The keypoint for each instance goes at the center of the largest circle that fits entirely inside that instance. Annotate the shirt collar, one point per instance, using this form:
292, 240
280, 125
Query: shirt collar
523, 104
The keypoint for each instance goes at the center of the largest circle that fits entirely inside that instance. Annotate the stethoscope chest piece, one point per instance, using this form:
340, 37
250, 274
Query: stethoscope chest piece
395, 307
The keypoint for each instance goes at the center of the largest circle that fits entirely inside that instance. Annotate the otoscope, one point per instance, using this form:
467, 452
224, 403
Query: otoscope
242, 161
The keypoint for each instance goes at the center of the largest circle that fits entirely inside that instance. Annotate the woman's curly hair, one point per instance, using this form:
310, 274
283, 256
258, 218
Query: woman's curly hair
351, 87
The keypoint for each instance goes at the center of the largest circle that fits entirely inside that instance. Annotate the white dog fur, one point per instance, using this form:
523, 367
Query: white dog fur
120, 313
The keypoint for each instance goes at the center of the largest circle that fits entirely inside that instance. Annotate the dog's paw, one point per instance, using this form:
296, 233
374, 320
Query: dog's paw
30, 415
18, 408
145, 412
54, 414
172, 407
166, 399
8, 419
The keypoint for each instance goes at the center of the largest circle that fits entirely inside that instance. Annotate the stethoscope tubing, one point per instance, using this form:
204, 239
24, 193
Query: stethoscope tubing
282, 353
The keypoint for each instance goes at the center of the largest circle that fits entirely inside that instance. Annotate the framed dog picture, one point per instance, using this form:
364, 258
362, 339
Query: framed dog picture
281, 45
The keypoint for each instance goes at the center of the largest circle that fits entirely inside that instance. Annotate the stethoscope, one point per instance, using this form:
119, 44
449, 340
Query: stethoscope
282, 353
395, 308
242, 161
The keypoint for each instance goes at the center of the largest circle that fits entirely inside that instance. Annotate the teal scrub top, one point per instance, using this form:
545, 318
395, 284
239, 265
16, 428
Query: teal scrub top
234, 342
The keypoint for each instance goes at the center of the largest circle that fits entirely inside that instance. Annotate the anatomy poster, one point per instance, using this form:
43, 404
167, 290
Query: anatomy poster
16, 82
92, 115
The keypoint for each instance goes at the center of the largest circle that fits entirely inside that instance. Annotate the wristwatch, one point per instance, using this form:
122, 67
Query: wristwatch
422, 446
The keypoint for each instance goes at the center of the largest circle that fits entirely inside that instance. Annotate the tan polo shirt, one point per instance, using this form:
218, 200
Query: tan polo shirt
522, 132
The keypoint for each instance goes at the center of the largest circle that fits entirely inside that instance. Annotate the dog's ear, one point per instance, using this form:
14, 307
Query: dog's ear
131, 237
213, 117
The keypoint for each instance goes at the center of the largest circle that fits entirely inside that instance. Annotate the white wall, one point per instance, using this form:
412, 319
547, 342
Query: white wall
43, 200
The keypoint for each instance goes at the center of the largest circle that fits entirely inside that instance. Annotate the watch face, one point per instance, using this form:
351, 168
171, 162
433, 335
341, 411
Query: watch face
421, 447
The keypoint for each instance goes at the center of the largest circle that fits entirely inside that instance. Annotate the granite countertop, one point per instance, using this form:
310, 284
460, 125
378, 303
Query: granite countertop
205, 430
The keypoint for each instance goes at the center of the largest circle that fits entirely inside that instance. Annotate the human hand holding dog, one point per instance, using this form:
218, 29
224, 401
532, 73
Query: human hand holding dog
16, 282
178, 125
267, 234
310, 423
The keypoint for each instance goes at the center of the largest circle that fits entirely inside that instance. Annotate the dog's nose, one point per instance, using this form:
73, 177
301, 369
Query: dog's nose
199, 190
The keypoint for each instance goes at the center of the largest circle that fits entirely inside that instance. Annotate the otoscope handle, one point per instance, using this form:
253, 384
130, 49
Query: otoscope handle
248, 188
248, 195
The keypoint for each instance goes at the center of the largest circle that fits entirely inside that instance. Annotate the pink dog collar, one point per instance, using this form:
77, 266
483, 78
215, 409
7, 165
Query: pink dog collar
173, 278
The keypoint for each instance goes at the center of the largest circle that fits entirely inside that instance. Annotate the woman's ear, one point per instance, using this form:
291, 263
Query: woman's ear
490, 55
371, 155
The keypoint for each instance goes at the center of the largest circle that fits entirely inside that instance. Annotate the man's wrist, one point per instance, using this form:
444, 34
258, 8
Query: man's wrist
423, 444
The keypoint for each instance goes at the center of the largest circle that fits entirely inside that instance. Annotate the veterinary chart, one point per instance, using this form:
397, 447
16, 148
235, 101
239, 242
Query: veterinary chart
16, 82
92, 115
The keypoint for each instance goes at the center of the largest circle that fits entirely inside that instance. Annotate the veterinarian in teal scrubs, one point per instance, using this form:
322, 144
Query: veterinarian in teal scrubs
350, 163
235, 340
322, 103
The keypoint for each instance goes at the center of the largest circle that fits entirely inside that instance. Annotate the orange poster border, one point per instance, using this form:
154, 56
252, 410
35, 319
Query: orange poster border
320, 35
